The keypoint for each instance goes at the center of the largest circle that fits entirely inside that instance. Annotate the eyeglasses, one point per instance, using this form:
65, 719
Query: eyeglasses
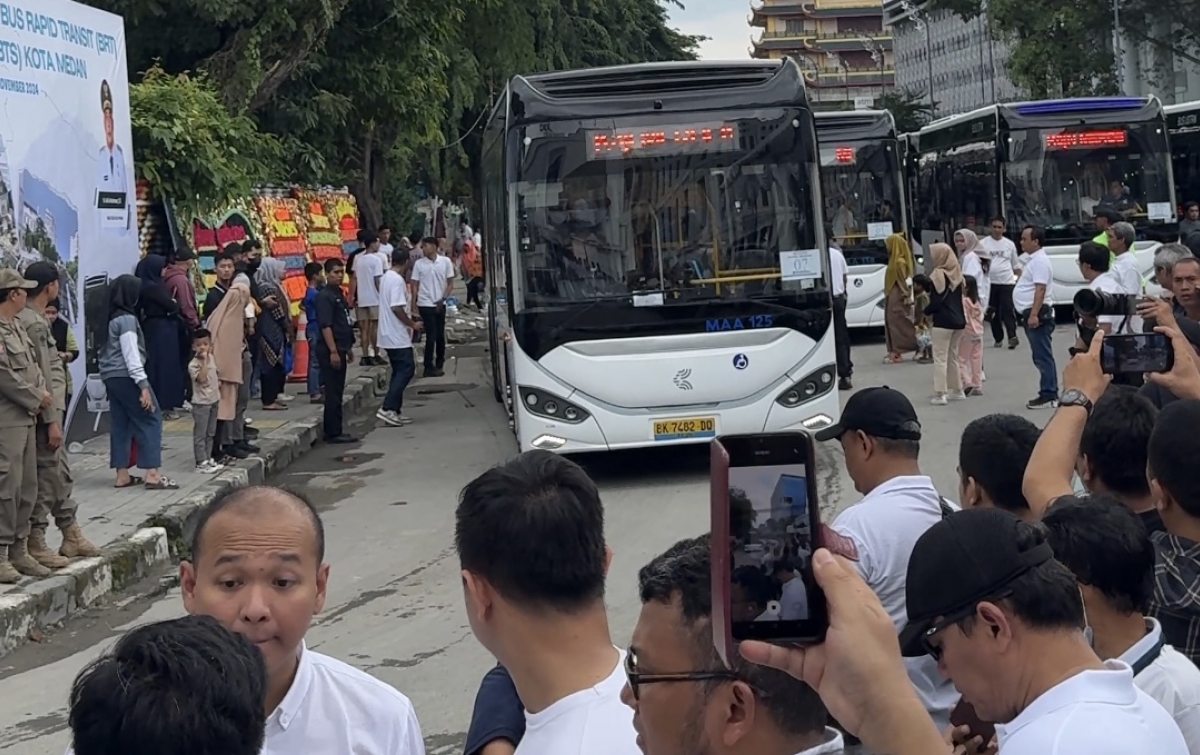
637, 679
935, 651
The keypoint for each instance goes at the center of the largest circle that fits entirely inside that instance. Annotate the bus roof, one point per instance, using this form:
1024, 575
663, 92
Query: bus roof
1182, 118
1052, 113
855, 124
648, 88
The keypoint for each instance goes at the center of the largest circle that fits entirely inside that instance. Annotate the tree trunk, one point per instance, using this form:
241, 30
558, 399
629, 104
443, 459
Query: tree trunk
368, 189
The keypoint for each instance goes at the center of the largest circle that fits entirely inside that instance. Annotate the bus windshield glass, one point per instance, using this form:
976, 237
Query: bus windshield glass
698, 208
1060, 178
861, 184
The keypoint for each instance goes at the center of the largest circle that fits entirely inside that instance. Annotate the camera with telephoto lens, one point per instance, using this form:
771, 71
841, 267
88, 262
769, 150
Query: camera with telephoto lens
1089, 303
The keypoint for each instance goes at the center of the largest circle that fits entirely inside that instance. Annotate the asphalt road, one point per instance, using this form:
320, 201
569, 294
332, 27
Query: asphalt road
395, 605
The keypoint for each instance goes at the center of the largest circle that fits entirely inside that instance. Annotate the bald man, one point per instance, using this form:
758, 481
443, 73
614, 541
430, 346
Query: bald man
258, 567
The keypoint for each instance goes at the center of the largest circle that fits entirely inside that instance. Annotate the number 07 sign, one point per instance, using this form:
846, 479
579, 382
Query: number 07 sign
801, 264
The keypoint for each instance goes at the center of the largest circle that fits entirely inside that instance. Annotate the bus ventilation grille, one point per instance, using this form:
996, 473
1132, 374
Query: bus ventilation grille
619, 83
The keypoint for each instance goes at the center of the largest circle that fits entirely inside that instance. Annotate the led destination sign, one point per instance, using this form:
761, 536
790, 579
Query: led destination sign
672, 140
1109, 137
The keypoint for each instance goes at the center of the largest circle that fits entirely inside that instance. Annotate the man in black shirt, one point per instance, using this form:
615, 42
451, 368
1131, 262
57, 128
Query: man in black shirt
334, 353
225, 268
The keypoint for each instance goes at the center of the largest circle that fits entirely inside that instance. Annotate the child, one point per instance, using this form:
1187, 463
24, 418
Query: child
205, 395
970, 348
314, 273
921, 288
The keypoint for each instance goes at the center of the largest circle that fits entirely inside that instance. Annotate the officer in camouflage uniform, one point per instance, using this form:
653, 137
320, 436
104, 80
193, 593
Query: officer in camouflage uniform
54, 482
23, 395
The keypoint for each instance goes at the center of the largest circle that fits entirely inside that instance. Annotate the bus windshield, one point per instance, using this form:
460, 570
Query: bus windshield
611, 209
1060, 178
861, 185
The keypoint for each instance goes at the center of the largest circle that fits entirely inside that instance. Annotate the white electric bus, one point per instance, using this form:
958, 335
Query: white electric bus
1051, 163
862, 184
657, 272
1183, 126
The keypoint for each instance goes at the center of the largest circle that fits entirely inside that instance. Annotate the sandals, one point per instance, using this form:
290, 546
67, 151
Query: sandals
274, 408
164, 483
133, 480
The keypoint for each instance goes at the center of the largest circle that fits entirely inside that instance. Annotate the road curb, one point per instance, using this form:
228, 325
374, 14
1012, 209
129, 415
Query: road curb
165, 535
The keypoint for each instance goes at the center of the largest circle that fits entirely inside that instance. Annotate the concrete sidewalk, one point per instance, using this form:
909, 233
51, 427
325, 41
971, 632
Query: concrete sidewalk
141, 529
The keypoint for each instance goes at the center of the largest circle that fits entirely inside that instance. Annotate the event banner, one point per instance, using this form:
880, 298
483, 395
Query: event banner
67, 191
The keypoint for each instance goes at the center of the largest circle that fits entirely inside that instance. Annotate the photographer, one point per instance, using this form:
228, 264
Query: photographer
1101, 430
1094, 307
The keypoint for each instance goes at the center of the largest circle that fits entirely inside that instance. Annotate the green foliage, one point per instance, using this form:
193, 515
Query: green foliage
911, 108
188, 146
37, 238
374, 94
1058, 48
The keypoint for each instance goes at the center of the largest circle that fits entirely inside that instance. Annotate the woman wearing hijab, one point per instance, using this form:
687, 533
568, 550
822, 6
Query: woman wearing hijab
946, 311
898, 324
974, 261
159, 315
134, 412
227, 323
274, 331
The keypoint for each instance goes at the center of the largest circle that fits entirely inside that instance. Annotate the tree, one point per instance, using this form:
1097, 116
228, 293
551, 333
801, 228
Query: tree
1057, 48
188, 146
539, 35
910, 108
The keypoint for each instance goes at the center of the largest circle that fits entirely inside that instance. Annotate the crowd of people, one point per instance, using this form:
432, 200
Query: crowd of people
35, 477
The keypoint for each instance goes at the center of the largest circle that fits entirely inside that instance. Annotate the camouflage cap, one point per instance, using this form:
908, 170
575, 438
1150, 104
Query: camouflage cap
10, 278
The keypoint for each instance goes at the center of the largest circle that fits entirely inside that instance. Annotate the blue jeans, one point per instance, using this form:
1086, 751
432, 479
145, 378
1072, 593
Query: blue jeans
404, 365
1043, 358
129, 421
312, 334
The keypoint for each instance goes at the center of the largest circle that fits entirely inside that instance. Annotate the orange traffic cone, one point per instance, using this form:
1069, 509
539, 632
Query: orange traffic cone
300, 353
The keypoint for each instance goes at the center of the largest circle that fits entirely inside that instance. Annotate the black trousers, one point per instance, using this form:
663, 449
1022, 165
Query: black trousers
334, 381
1004, 317
474, 286
434, 320
841, 337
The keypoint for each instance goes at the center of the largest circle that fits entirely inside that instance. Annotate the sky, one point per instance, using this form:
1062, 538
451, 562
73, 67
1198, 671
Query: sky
725, 22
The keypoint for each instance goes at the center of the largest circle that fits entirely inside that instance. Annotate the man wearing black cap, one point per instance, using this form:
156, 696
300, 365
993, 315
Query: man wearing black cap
1004, 621
881, 438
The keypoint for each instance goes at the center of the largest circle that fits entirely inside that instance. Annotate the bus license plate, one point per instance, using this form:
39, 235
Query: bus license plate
685, 428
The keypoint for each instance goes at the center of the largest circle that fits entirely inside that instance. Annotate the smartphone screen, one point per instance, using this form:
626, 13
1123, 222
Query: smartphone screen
766, 519
1136, 353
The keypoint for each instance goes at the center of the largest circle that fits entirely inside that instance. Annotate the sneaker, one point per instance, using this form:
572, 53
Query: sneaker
957, 396
844, 384
938, 401
1013, 343
248, 447
1042, 403
204, 468
214, 466
388, 416
235, 452
999, 344
187, 406
283, 398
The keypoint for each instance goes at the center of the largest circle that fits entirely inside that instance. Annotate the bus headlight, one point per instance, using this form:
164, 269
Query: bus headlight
807, 388
548, 405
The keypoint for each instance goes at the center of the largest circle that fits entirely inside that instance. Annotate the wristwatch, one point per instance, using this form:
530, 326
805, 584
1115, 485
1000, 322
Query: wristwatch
1076, 397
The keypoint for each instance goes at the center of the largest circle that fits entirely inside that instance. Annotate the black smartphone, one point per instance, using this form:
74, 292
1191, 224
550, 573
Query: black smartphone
964, 715
766, 522
1136, 353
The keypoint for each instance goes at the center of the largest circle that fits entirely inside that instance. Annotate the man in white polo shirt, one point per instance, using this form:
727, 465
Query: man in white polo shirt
881, 438
1034, 301
257, 566
433, 277
1004, 621
1102, 542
